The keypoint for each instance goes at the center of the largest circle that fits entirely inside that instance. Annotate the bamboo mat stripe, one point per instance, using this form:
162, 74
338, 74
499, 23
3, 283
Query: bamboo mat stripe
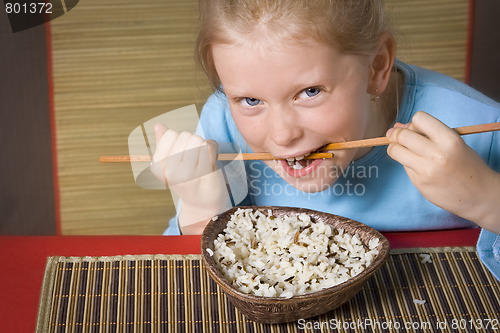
172, 293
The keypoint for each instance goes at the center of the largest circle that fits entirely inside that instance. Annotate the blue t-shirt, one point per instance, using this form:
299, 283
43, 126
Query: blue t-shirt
375, 189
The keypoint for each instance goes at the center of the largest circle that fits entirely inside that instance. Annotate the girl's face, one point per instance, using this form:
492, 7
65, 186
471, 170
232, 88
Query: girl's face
291, 99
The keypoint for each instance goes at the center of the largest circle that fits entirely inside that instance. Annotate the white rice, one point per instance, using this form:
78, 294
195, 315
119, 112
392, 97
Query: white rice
426, 258
270, 256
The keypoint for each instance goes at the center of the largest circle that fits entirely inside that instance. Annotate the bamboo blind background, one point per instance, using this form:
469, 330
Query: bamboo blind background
117, 64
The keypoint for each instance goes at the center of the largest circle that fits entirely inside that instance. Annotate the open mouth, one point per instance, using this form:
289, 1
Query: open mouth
301, 166
298, 162
304, 165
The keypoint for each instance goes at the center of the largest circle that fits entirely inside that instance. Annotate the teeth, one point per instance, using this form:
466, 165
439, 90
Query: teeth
296, 158
293, 162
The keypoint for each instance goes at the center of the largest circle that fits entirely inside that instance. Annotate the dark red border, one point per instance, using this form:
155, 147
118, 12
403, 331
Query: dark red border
55, 171
470, 41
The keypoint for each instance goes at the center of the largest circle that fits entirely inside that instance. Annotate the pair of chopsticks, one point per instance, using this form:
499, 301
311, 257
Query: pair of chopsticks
220, 157
474, 129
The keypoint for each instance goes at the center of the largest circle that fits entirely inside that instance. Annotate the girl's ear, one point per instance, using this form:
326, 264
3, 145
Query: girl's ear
381, 64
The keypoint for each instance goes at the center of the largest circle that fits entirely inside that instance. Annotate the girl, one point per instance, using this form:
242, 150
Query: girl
292, 76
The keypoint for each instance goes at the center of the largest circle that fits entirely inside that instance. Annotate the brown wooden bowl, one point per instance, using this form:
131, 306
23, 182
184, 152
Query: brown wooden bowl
278, 309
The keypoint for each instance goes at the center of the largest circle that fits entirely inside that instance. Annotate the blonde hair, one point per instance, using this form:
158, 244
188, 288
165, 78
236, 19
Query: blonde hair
351, 26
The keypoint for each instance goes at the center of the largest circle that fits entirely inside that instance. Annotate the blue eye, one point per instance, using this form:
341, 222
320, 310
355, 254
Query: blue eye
250, 101
311, 92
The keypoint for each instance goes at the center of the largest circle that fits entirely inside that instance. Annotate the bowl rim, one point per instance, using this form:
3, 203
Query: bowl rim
380, 259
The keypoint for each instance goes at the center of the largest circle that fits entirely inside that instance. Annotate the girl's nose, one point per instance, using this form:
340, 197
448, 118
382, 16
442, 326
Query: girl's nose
284, 128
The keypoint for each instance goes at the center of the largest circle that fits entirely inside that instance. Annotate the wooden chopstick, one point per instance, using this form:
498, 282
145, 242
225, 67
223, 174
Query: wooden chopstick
220, 157
465, 130
124, 158
490, 127
266, 156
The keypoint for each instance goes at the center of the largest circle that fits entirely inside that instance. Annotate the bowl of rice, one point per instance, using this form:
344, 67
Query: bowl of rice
282, 264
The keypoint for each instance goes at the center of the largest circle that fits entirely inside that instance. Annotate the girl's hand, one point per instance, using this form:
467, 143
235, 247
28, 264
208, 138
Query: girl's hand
187, 164
446, 171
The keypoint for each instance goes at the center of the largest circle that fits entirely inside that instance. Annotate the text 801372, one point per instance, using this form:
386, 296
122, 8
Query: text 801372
28, 8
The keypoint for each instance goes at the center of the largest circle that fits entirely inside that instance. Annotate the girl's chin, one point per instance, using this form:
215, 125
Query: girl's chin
310, 186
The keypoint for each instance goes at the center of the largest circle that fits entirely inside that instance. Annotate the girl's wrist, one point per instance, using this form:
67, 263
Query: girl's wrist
485, 207
490, 206
192, 218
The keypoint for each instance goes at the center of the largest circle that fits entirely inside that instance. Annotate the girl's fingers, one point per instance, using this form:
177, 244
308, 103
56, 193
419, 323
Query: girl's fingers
191, 155
400, 125
431, 127
410, 139
166, 158
159, 130
179, 146
180, 157
164, 143
405, 156
203, 156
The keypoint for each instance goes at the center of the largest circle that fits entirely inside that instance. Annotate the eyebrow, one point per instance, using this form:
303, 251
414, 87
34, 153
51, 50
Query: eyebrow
234, 93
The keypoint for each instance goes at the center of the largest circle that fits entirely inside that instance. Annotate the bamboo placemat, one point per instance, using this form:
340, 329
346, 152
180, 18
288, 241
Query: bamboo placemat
173, 293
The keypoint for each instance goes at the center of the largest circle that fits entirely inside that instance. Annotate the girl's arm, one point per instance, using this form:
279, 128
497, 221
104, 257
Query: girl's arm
446, 170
